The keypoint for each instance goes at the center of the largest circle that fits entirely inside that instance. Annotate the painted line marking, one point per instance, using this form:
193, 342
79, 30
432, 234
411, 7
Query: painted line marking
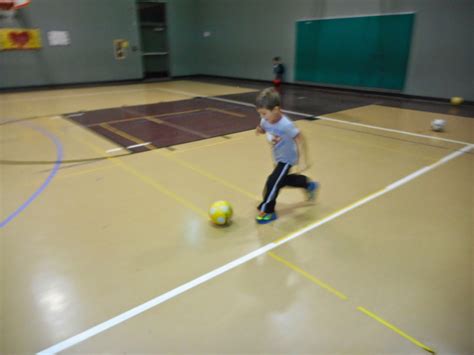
210, 176
128, 147
178, 127
148, 180
145, 89
395, 329
157, 120
196, 169
362, 143
82, 172
235, 114
76, 173
184, 93
418, 135
127, 136
179, 150
202, 172
143, 117
76, 114
138, 145
101, 327
59, 97
57, 164
344, 297
114, 150
308, 276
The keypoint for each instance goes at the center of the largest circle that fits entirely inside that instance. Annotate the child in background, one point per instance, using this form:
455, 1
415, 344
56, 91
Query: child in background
278, 71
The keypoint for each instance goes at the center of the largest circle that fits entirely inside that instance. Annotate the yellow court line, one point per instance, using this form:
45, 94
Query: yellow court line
162, 189
308, 276
344, 297
155, 120
178, 113
395, 329
179, 161
178, 150
144, 117
210, 176
63, 175
126, 135
117, 121
226, 112
183, 163
178, 127
147, 180
276, 257
81, 172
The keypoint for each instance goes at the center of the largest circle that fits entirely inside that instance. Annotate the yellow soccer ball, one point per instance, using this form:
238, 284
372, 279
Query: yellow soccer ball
220, 212
456, 100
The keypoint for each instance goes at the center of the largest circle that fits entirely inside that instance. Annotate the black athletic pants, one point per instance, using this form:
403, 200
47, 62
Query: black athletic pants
280, 178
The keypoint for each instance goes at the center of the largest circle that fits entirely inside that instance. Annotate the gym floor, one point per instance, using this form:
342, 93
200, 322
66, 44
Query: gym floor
107, 247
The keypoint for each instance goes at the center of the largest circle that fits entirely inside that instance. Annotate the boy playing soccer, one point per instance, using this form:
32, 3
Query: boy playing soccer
288, 144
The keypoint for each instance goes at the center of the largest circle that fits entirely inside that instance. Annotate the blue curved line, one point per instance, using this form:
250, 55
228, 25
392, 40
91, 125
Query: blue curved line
59, 158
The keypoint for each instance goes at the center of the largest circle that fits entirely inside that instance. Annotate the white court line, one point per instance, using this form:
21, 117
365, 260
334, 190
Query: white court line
129, 147
114, 150
323, 118
52, 97
99, 328
77, 114
393, 130
138, 145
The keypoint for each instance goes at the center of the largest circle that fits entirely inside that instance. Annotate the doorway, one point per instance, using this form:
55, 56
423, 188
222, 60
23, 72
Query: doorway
154, 39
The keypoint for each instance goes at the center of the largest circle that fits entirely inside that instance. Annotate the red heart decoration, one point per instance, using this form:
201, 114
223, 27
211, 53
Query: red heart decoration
19, 38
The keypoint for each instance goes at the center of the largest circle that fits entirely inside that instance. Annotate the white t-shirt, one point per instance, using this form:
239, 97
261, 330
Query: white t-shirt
282, 133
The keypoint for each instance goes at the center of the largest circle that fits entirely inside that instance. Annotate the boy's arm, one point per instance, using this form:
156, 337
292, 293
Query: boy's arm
259, 130
303, 159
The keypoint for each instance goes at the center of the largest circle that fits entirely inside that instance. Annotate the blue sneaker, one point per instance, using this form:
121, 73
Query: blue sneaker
313, 186
266, 218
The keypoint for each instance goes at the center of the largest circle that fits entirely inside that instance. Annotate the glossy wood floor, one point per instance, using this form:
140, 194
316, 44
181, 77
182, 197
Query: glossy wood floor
370, 268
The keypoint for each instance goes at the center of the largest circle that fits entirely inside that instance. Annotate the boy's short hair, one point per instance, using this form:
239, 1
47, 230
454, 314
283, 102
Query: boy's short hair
268, 98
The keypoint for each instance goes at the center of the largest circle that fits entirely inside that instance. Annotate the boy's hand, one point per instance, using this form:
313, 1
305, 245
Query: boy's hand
276, 139
259, 130
273, 139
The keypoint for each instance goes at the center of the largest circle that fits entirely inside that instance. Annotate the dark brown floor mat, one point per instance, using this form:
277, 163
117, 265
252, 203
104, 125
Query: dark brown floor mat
169, 123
